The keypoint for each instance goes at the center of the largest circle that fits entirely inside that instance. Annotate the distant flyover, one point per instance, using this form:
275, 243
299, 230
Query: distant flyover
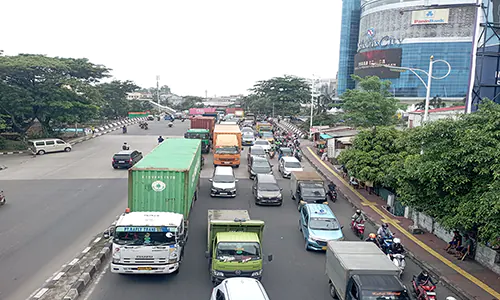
165, 108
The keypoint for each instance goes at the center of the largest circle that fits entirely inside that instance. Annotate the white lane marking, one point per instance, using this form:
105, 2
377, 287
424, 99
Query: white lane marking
95, 282
73, 262
97, 240
40, 293
58, 276
86, 250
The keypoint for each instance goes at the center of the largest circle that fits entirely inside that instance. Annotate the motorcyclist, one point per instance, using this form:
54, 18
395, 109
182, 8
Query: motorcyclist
124, 129
358, 217
384, 232
160, 139
423, 279
125, 146
372, 237
396, 247
171, 124
331, 186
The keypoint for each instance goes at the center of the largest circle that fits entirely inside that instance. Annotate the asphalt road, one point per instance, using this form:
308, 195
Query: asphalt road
57, 202
293, 274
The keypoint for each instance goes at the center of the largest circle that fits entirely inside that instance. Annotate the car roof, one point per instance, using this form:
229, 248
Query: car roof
289, 158
319, 210
262, 140
223, 170
253, 147
257, 158
244, 288
43, 140
266, 178
125, 152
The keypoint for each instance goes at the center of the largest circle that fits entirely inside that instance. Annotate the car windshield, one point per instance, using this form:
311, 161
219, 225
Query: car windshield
227, 150
200, 136
246, 129
248, 136
385, 295
268, 187
293, 165
324, 224
123, 236
258, 151
262, 143
313, 192
223, 178
238, 251
267, 135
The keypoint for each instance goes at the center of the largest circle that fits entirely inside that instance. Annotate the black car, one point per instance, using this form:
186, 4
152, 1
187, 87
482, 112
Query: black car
259, 165
126, 159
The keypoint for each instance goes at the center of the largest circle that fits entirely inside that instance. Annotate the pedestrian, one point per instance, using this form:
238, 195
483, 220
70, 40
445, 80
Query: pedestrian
324, 156
455, 242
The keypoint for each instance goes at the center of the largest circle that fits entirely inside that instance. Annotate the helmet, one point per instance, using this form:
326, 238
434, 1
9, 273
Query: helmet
358, 212
385, 225
372, 235
125, 142
425, 273
397, 241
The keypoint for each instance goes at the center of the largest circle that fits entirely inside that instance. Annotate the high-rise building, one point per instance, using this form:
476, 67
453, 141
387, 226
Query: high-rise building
349, 34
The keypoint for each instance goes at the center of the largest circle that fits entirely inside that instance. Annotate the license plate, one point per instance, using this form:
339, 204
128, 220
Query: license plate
431, 294
226, 163
223, 194
144, 268
323, 248
121, 161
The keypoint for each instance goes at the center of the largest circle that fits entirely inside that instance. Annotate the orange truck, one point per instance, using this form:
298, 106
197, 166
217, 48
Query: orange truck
227, 145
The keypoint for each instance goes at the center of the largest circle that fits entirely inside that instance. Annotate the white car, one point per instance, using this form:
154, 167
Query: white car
247, 130
287, 165
264, 144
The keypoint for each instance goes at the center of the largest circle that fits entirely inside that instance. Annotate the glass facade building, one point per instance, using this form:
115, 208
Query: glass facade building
349, 32
421, 29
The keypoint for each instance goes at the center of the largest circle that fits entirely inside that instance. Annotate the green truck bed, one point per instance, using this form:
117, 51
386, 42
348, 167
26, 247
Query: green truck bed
166, 179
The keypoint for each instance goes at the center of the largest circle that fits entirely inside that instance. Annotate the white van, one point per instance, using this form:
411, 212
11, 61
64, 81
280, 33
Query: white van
239, 288
43, 146
223, 182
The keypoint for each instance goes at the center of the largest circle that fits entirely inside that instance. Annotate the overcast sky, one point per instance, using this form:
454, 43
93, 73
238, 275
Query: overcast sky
223, 47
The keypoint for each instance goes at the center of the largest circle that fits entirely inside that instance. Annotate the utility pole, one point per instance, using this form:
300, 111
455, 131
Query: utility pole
158, 88
206, 95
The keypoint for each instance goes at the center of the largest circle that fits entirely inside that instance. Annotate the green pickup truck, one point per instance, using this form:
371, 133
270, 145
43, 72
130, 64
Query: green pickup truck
234, 245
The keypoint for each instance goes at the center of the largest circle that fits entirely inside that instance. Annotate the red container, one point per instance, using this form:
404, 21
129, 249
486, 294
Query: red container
203, 123
232, 110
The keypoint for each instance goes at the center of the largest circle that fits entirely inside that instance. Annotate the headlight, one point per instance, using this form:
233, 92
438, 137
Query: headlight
259, 196
173, 255
255, 274
214, 190
313, 238
116, 260
232, 190
218, 273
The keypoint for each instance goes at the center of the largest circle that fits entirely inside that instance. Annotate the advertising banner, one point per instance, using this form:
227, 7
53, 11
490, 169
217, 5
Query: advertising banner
370, 63
430, 16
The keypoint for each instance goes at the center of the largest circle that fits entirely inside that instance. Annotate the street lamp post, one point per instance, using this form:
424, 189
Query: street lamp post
429, 79
313, 92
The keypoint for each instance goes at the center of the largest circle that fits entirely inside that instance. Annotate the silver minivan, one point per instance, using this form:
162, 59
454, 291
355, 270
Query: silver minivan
43, 146
223, 182
239, 288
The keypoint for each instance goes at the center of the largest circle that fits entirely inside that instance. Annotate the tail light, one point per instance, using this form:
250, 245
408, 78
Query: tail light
112, 160
130, 160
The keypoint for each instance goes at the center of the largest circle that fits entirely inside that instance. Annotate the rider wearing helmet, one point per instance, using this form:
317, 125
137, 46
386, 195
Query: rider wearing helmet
384, 231
372, 237
396, 247
358, 217
331, 186
424, 279
160, 139
125, 146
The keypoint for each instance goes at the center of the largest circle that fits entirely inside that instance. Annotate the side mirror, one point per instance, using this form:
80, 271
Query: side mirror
185, 135
236, 180
281, 189
272, 166
182, 243
207, 254
254, 187
270, 258
211, 180
341, 227
242, 149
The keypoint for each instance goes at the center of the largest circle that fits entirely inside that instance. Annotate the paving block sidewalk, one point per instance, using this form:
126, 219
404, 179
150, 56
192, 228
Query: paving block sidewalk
468, 278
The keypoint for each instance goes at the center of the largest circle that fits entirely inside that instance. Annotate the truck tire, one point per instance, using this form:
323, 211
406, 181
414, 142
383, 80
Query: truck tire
237, 166
333, 291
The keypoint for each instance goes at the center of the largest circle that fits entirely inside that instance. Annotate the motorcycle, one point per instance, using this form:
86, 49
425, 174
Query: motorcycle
332, 196
272, 153
399, 261
358, 228
2, 198
183, 119
426, 292
386, 243
170, 124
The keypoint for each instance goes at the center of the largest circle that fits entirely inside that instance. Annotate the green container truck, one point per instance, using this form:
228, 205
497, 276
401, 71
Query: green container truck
234, 247
149, 238
141, 114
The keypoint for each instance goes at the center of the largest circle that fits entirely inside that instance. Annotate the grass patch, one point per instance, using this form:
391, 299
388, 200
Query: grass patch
10, 145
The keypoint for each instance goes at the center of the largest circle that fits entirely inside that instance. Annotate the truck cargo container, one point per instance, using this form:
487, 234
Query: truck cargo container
200, 122
234, 247
227, 151
227, 129
141, 114
232, 110
149, 238
362, 270
307, 187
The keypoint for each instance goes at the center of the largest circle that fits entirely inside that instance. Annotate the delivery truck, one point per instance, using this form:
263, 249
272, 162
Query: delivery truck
227, 151
234, 247
307, 187
227, 129
203, 123
200, 134
149, 238
360, 270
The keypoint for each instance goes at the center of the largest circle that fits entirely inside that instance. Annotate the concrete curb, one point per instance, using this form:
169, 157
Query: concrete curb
436, 274
292, 128
98, 132
70, 281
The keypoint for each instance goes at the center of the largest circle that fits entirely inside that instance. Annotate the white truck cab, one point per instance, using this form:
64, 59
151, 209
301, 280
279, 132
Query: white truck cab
148, 243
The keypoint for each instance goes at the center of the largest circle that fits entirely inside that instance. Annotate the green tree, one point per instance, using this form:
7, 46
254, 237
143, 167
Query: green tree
114, 94
435, 102
371, 104
189, 102
51, 90
284, 93
373, 153
452, 171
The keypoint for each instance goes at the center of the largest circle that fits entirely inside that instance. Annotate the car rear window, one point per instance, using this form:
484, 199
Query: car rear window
122, 156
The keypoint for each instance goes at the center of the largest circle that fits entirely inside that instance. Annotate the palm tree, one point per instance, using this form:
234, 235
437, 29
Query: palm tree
435, 102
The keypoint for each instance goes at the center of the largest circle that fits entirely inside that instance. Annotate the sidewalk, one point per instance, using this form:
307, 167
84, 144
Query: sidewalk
468, 278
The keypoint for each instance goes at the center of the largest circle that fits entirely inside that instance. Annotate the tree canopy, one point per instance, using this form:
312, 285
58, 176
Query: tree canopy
189, 102
371, 104
284, 93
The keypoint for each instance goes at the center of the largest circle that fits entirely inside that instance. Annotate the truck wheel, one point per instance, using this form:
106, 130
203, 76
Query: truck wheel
333, 293
237, 166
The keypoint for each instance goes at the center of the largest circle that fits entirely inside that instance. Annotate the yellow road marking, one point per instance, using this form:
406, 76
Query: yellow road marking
393, 222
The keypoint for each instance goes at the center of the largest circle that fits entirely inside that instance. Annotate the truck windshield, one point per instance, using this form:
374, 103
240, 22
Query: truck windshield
313, 192
200, 136
143, 238
385, 295
324, 224
235, 251
227, 150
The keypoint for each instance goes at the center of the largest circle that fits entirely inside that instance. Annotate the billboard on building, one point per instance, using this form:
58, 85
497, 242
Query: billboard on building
370, 63
430, 16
